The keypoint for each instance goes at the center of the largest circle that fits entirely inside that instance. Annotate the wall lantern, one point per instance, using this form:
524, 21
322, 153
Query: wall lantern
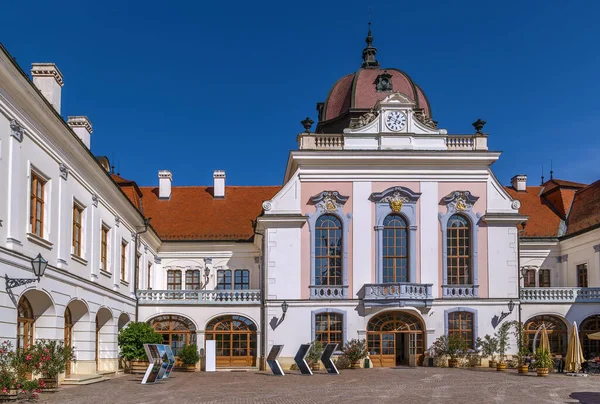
38, 264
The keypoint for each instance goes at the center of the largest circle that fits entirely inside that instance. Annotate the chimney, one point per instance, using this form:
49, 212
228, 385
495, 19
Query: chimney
219, 184
519, 182
82, 127
48, 79
164, 184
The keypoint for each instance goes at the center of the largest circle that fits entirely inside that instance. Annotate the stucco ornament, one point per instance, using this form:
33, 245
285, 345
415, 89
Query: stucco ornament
267, 205
16, 130
364, 119
460, 201
395, 200
329, 201
64, 171
516, 204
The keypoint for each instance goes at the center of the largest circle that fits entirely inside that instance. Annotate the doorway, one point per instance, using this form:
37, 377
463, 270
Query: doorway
395, 339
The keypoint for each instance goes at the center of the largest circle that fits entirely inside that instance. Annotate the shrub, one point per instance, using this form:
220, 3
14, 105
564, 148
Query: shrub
449, 345
342, 362
488, 346
314, 354
355, 350
502, 335
543, 359
189, 354
53, 357
133, 337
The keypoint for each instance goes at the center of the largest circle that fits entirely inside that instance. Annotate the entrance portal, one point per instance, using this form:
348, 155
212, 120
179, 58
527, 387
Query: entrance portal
395, 338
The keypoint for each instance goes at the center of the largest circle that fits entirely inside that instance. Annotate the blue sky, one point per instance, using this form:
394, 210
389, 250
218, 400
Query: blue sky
197, 86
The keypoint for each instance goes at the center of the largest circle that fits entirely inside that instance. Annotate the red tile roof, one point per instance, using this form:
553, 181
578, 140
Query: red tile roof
585, 212
193, 214
543, 219
131, 189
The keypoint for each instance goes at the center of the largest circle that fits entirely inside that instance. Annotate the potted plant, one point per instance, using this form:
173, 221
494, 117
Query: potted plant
450, 345
355, 350
189, 356
131, 341
313, 358
53, 357
489, 347
523, 352
502, 336
543, 362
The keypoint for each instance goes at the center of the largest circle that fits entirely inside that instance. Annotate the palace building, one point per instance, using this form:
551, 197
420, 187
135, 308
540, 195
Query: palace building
386, 228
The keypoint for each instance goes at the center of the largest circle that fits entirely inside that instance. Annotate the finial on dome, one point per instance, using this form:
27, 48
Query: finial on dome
368, 54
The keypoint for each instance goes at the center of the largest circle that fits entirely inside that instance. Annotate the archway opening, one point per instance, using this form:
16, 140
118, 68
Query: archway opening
177, 331
557, 333
105, 338
589, 326
76, 327
36, 318
236, 340
123, 321
395, 338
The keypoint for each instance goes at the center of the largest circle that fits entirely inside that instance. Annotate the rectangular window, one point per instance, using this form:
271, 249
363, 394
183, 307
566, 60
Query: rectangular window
224, 279
173, 280
104, 248
149, 285
461, 323
123, 259
329, 328
582, 276
192, 279
36, 206
77, 223
529, 280
544, 278
242, 279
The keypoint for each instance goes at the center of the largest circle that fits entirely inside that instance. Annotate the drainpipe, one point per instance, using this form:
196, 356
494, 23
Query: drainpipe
263, 328
137, 267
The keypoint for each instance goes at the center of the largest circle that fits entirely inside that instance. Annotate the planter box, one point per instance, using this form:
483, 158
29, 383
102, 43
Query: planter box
190, 368
523, 369
315, 366
542, 372
50, 383
11, 395
492, 364
452, 363
501, 366
138, 367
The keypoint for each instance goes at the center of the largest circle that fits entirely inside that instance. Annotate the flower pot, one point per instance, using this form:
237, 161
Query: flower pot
501, 366
138, 366
523, 369
49, 384
355, 365
542, 372
493, 364
10, 395
190, 368
315, 366
452, 363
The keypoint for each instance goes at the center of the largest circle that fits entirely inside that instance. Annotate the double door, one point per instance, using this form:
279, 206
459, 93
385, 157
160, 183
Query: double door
389, 349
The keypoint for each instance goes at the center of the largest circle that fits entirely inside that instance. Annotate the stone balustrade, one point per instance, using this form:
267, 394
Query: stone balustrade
405, 293
159, 297
560, 295
467, 142
313, 141
328, 292
460, 291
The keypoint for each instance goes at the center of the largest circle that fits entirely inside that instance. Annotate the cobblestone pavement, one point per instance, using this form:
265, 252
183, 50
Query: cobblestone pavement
407, 385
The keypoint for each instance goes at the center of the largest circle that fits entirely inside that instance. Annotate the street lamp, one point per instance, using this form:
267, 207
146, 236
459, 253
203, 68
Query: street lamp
284, 308
38, 264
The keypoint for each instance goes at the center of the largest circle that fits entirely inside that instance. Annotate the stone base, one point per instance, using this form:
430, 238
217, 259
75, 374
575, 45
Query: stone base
81, 367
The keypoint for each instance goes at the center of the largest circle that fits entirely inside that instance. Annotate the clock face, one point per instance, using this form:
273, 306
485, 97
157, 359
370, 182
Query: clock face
395, 120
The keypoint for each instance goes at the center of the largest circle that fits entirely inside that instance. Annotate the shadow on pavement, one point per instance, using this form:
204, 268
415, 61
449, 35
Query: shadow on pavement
586, 397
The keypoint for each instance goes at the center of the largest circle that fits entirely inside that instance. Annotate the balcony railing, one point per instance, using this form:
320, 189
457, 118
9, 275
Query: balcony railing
312, 141
328, 292
412, 294
466, 142
460, 291
158, 297
560, 295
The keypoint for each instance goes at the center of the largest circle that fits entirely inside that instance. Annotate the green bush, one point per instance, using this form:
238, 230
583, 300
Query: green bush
133, 337
314, 354
188, 355
342, 362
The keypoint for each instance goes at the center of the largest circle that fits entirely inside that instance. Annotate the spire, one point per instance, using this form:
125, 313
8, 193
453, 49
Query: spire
551, 171
368, 54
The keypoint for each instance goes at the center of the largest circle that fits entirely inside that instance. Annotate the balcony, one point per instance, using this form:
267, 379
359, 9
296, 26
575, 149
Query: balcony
198, 297
328, 292
460, 291
403, 294
560, 295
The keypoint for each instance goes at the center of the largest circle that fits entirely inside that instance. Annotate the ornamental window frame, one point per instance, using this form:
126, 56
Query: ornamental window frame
402, 201
330, 203
461, 203
314, 314
473, 312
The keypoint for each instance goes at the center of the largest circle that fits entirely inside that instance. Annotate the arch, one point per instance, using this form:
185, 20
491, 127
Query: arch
590, 325
124, 319
236, 340
76, 326
396, 337
105, 336
343, 329
43, 315
448, 314
556, 327
177, 331
25, 323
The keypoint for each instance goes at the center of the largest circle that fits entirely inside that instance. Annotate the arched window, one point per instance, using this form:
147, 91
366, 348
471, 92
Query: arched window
395, 249
556, 329
459, 251
329, 328
192, 279
173, 279
328, 251
589, 326
25, 322
461, 323
236, 340
177, 331
68, 334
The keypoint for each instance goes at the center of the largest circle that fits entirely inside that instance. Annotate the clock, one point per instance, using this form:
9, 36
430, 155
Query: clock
395, 121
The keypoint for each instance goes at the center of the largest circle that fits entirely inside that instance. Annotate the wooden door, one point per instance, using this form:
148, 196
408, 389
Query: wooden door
97, 342
68, 336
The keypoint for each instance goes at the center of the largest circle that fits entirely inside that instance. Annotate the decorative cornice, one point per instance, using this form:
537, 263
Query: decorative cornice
95, 200
80, 121
48, 70
267, 206
597, 248
460, 201
64, 171
16, 130
396, 197
329, 201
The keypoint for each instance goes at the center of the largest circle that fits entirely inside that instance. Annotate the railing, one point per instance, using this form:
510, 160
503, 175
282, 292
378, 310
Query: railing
328, 292
468, 142
158, 297
398, 291
312, 141
560, 295
460, 291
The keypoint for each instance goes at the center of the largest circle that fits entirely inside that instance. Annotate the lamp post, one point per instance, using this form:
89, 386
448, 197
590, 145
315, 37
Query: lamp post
284, 309
38, 264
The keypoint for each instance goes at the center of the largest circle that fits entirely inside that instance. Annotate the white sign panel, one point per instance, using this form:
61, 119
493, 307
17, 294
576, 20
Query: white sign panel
210, 355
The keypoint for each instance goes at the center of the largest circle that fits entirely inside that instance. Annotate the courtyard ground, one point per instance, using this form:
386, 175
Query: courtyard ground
408, 385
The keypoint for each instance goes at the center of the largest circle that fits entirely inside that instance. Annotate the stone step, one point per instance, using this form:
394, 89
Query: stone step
80, 380
238, 369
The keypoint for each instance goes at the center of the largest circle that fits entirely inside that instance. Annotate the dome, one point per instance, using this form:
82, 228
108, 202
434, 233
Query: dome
357, 93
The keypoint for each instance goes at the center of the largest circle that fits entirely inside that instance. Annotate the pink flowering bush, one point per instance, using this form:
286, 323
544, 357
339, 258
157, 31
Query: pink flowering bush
14, 366
52, 357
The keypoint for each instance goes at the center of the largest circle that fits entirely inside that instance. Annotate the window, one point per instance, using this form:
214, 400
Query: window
459, 251
173, 279
192, 279
529, 279
329, 328
395, 249
328, 251
555, 328
77, 220
224, 279
590, 325
123, 259
37, 205
104, 248
544, 278
24, 324
461, 323
149, 285
582, 276
242, 279
177, 331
